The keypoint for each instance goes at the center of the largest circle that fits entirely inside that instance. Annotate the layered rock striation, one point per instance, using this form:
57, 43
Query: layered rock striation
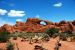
37, 25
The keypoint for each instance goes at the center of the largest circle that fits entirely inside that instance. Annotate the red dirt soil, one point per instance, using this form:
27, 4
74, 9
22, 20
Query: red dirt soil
48, 45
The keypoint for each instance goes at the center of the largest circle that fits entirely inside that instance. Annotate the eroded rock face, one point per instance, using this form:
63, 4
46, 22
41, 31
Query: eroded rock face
73, 22
33, 25
7, 27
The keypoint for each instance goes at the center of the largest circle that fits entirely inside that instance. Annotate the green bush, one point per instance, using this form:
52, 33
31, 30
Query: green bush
4, 36
52, 31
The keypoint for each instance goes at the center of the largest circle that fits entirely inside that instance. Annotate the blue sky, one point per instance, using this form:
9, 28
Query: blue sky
52, 10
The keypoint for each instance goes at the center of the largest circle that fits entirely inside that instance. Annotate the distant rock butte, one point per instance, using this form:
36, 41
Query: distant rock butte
33, 25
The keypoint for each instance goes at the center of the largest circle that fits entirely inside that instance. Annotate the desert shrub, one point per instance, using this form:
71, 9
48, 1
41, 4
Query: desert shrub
46, 38
15, 35
63, 36
73, 38
51, 31
10, 46
55, 35
69, 33
4, 36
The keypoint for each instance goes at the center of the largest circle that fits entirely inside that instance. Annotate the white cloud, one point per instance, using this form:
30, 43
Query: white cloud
37, 16
4, 22
58, 4
18, 19
3, 12
14, 13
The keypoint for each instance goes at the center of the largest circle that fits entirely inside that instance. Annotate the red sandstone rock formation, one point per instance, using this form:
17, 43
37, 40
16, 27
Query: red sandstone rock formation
33, 25
7, 27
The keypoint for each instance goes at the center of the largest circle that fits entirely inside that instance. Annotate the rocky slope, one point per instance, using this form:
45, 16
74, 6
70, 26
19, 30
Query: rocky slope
37, 25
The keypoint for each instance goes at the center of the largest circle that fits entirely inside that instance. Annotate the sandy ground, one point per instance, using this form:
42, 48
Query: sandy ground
48, 45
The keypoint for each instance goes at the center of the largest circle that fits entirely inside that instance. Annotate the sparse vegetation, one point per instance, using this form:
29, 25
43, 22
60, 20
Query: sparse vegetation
67, 34
63, 36
54, 32
74, 38
10, 46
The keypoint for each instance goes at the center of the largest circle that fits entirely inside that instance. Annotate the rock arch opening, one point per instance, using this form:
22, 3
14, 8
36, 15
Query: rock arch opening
43, 23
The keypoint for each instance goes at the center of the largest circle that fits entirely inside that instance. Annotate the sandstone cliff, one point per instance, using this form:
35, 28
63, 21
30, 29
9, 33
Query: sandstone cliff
34, 25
